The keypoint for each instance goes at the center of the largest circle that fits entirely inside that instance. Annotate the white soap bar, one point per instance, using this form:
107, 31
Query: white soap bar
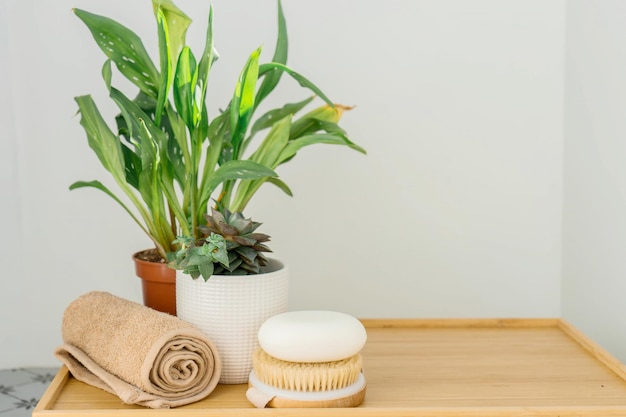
312, 336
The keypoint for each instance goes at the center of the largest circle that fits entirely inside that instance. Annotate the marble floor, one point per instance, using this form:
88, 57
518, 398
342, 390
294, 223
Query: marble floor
21, 389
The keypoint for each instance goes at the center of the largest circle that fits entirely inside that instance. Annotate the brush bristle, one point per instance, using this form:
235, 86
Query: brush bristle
306, 377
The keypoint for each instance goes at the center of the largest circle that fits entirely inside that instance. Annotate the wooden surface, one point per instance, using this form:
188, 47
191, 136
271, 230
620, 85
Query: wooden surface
537, 367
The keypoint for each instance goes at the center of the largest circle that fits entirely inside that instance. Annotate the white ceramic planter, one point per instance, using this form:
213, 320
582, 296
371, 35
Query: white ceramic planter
230, 311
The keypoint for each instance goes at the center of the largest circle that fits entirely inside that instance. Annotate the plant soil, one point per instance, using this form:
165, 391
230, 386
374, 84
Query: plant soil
150, 255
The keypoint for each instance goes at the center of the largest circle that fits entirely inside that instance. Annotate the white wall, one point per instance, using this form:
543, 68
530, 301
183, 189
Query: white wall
456, 211
10, 218
594, 242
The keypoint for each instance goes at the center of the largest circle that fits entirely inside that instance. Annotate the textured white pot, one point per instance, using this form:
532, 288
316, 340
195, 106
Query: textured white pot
230, 311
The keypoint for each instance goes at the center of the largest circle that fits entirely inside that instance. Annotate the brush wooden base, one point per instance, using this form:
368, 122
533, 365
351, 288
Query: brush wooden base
351, 401
455, 368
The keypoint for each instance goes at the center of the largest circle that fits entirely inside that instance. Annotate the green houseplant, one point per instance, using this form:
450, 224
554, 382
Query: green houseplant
169, 159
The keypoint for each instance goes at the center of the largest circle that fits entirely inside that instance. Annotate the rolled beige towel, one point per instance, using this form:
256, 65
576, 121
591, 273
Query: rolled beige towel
141, 355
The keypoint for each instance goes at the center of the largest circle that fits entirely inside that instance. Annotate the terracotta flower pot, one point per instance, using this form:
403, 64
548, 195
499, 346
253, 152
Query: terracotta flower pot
158, 282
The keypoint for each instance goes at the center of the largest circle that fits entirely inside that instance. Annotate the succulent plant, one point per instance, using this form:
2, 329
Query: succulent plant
245, 247
229, 245
199, 256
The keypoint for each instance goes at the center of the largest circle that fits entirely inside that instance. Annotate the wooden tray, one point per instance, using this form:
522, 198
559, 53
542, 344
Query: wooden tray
454, 368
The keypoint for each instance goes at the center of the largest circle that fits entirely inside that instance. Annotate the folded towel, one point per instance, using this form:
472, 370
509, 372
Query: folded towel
141, 355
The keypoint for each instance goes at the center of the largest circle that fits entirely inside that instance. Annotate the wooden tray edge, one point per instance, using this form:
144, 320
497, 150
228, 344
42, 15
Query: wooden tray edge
593, 348
471, 323
52, 392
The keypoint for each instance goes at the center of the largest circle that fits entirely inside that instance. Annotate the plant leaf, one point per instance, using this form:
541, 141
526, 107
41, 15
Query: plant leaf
270, 149
177, 23
328, 138
136, 119
316, 120
280, 55
167, 71
266, 154
214, 150
98, 185
264, 69
132, 166
125, 49
107, 73
149, 185
242, 103
101, 139
184, 84
280, 184
209, 56
269, 118
177, 147
206, 270
232, 170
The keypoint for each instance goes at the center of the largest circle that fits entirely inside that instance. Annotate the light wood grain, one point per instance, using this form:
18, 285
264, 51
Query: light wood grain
486, 368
